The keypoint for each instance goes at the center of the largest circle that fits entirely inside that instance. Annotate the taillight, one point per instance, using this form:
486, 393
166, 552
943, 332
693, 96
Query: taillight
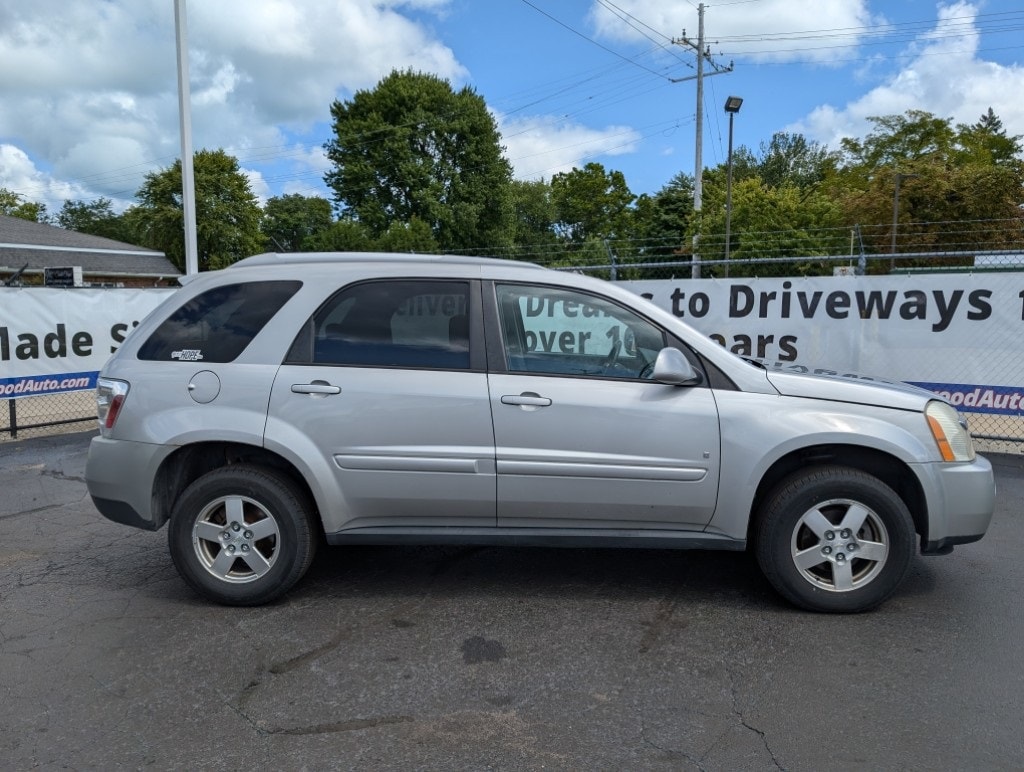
110, 396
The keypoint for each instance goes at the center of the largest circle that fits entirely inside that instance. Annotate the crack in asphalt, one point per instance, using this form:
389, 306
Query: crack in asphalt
287, 665
348, 725
56, 474
738, 713
239, 703
33, 511
345, 725
242, 714
671, 754
44, 508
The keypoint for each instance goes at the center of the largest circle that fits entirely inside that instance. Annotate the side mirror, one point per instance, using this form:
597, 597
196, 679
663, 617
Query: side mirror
673, 368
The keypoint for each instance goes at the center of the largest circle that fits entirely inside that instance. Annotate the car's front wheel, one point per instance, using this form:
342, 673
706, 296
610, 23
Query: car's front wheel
242, 535
834, 539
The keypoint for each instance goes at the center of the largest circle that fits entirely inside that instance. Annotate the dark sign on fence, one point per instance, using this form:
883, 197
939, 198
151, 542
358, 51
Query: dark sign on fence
63, 276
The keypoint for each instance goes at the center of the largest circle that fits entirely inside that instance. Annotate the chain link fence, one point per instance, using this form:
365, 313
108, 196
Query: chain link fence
72, 411
864, 249
913, 248
982, 247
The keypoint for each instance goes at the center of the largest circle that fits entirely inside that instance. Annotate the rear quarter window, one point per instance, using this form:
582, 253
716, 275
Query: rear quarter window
217, 325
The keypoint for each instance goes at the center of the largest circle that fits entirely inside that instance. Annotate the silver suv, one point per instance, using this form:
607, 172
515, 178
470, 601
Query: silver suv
383, 399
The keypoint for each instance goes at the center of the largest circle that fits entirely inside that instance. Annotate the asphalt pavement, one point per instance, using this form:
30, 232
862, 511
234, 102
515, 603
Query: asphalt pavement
489, 658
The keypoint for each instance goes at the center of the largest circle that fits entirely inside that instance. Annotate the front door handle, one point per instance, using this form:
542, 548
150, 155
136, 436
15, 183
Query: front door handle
533, 400
316, 387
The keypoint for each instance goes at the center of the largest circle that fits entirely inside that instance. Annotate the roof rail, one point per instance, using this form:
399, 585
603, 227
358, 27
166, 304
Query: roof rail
283, 258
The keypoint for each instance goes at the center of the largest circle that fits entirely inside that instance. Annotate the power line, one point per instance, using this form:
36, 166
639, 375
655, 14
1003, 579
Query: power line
629, 18
592, 41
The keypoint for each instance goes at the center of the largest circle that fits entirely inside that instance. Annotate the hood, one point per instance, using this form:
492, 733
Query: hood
862, 390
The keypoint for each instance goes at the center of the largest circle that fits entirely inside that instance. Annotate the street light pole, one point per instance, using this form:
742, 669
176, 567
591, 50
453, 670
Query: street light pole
896, 214
732, 106
188, 187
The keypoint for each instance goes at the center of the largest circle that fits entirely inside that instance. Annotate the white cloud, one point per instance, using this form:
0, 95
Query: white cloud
19, 174
944, 76
743, 28
293, 58
257, 184
544, 146
96, 88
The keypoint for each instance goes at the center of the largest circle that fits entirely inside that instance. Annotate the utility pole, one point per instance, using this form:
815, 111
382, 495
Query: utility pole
703, 55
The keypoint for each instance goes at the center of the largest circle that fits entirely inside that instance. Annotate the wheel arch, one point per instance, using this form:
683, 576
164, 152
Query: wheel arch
190, 462
886, 467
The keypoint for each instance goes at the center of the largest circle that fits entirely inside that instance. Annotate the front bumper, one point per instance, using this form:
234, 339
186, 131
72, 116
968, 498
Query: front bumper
961, 499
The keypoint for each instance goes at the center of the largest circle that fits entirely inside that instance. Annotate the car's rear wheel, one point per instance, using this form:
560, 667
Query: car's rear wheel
242, 535
834, 539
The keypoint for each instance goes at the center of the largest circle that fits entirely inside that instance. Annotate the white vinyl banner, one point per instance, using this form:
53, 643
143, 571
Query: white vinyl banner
959, 335
56, 340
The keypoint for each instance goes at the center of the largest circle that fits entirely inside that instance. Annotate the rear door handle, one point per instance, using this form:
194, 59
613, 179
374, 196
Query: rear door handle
317, 387
534, 400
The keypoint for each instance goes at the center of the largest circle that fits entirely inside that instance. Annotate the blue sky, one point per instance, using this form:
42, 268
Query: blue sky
90, 100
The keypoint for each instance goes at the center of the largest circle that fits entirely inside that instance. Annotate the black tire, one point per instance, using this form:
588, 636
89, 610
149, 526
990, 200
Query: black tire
242, 535
834, 539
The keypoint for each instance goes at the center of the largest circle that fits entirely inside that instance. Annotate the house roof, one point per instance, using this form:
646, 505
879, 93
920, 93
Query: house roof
39, 246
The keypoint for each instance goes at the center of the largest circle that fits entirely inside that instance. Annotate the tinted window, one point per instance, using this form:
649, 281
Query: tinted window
217, 325
395, 324
559, 331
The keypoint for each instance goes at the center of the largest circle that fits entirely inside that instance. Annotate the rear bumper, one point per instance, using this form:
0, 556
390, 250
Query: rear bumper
123, 513
961, 499
119, 476
945, 546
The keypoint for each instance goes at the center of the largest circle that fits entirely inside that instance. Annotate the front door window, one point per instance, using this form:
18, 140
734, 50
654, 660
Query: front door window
549, 330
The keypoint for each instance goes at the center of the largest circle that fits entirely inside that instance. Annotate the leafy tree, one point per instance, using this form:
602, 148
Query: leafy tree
533, 218
340, 236
782, 221
290, 221
97, 218
589, 252
674, 203
987, 142
970, 175
414, 148
591, 203
661, 222
227, 214
351, 236
744, 164
942, 206
414, 236
900, 139
14, 205
789, 159
664, 223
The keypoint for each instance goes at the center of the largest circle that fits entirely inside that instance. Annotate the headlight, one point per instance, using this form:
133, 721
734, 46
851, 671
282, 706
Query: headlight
949, 431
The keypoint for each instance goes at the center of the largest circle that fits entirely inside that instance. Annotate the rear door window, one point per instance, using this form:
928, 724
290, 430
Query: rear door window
407, 323
218, 324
